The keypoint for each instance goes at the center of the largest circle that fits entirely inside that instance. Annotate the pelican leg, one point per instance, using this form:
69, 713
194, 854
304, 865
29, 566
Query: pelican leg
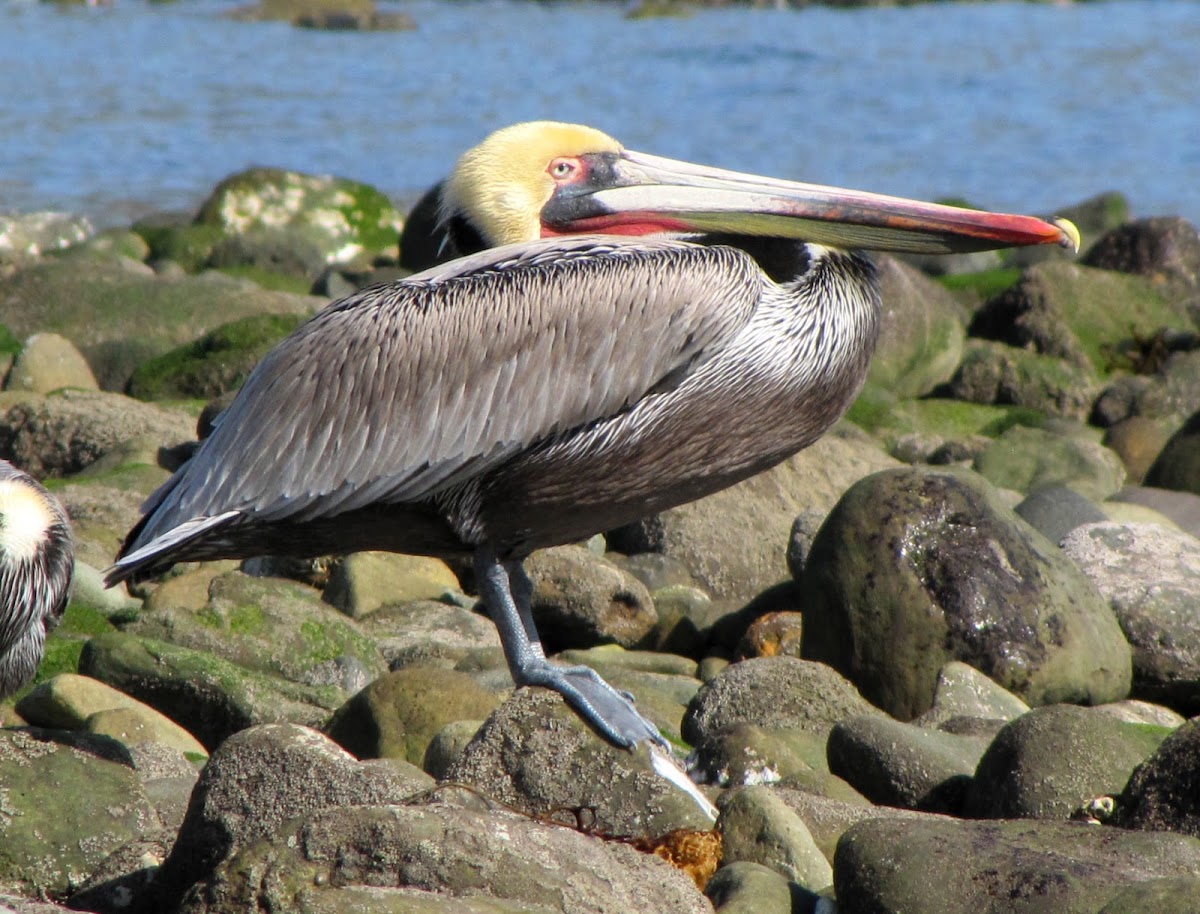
610, 711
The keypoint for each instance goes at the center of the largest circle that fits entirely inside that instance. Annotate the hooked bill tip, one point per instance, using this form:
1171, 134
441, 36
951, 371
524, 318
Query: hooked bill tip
1071, 233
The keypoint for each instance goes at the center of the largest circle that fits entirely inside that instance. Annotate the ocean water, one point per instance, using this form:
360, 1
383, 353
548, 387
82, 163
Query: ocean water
121, 110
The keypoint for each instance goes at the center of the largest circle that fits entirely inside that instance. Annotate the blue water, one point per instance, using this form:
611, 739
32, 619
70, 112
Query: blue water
116, 111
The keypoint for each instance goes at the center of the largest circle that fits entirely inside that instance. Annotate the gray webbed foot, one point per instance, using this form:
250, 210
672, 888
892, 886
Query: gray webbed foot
607, 709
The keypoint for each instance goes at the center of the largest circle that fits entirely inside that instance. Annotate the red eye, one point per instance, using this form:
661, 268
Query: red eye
564, 169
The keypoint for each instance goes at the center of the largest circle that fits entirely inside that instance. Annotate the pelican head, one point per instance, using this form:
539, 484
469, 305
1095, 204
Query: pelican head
36, 565
543, 178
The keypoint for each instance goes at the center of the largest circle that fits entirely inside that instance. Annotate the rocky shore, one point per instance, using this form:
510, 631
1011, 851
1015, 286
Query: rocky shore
942, 661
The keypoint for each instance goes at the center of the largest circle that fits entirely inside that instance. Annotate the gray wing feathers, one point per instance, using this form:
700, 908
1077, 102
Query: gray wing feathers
401, 390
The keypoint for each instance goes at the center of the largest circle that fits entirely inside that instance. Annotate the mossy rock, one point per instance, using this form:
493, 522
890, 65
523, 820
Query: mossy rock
190, 246
348, 217
888, 418
216, 363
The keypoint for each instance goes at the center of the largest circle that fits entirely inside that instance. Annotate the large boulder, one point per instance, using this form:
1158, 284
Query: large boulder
915, 567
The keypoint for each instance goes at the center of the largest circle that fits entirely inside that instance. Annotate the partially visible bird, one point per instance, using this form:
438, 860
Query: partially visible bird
36, 567
628, 333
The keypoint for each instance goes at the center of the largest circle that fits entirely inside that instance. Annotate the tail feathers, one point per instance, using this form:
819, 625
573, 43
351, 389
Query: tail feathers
163, 551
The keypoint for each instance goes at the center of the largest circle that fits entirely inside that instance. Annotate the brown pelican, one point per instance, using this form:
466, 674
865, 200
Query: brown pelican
36, 565
630, 333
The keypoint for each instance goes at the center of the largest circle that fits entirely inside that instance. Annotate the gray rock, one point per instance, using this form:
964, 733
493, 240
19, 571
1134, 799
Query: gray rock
447, 745
1162, 248
1055, 510
346, 218
773, 692
67, 801
119, 313
916, 567
62, 433
371, 857
427, 631
992, 372
937, 865
828, 818
733, 542
758, 827
50, 362
398, 714
1137, 440
961, 691
1027, 459
1134, 711
1178, 465
922, 334
1052, 761
1164, 792
748, 755
897, 764
124, 880
1167, 895
264, 624
216, 698
581, 599
751, 888
536, 755
803, 532
363, 582
1151, 578
1063, 309
1183, 508
31, 235
258, 780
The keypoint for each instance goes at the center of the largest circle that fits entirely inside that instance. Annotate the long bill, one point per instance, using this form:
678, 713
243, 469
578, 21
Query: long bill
642, 193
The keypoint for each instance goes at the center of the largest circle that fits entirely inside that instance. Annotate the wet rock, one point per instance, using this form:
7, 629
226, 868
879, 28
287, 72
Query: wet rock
961, 691
346, 218
62, 433
338, 21
1151, 577
118, 313
1055, 510
992, 372
536, 755
1052, 761
897, 764
938, 865
68, 801
1162, 248
581, 599
1178, 465
398, 714
215, 364
1062, 309
50, 362
758, 827
922, 334
751, 888
733, 542
213, 697
916, 567
259, 779
1027, 459
385, 857
1164, 792
773, 692
362, 582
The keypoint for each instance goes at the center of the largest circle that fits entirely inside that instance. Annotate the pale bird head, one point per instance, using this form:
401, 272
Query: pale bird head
502, 184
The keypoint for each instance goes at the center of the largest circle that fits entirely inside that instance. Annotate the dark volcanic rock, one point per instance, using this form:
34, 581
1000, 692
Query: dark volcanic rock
915, 567
1164, 792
